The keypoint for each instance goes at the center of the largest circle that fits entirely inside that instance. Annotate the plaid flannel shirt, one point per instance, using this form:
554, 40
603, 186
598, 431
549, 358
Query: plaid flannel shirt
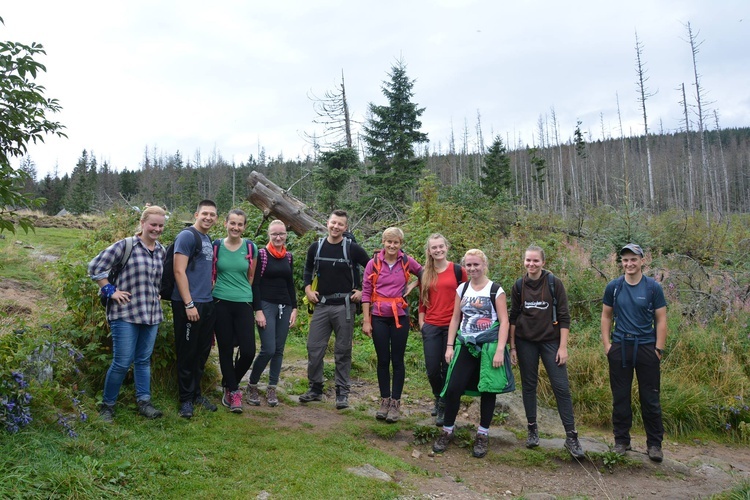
141, 276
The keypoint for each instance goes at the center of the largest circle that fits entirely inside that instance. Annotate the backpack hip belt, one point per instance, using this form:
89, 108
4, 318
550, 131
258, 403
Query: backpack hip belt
636, 340
395, 302
345, 296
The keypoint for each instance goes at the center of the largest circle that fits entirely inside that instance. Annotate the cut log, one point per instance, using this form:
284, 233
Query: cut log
276, 202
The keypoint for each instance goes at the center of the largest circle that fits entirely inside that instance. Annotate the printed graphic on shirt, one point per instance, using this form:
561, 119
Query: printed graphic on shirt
477, 314
536, 304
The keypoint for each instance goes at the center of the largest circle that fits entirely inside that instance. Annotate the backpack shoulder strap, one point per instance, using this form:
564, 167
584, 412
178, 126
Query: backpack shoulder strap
317, 257
463, 291
551, 283
493, 294
618, 286
216, 244
263, 258
458, 272
129, 241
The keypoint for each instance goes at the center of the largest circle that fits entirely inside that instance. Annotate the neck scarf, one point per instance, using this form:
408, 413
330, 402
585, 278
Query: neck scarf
279, 254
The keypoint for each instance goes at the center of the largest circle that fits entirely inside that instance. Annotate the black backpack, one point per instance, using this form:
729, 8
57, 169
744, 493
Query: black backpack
167, 277
114, 273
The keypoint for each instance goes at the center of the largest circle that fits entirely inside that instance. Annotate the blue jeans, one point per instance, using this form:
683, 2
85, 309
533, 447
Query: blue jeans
132, 344
272, 341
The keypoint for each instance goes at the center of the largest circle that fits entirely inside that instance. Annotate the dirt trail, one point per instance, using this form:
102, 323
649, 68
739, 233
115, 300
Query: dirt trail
688, 471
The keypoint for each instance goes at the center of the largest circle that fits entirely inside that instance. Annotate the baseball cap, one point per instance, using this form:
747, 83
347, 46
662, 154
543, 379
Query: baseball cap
632, 247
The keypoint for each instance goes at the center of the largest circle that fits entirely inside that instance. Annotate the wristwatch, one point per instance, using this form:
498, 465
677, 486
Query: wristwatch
660, 351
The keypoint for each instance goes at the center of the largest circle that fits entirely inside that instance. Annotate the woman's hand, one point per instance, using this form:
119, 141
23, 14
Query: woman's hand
121, 297
499, 358
562, 356
367, 327
260, 319
513, 357
293, 317
448, 354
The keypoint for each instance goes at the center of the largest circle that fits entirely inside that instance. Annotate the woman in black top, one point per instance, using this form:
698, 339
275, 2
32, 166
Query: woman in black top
275, 304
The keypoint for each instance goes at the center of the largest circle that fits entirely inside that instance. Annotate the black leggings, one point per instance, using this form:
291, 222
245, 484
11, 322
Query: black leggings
390, 346
465, 374
235, 326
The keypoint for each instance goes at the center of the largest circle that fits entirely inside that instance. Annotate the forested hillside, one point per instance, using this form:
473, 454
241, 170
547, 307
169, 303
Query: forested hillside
558, 177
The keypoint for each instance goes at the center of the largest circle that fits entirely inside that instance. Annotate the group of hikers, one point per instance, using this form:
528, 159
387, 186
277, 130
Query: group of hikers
223, 289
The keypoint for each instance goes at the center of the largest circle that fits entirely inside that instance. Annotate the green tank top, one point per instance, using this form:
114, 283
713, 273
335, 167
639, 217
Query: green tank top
231, 275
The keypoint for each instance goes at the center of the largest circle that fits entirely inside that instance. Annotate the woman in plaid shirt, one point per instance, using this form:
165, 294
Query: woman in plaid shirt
133, 310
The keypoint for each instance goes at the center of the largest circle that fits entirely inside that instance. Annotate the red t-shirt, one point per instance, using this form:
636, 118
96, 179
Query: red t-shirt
443, 297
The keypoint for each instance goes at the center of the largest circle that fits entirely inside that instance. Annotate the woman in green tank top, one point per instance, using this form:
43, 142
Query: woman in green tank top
234, 266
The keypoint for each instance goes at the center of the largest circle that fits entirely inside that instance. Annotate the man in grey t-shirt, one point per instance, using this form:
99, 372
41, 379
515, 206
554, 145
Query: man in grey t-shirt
193, 307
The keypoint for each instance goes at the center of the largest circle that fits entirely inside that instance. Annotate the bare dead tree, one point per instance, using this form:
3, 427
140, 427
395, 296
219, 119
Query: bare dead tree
723, 162
560, 175
699, 94
333, 113
624, 155
690, 168
644, 94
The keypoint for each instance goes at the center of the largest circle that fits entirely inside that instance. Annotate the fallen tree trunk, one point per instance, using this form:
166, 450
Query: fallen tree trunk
276, 202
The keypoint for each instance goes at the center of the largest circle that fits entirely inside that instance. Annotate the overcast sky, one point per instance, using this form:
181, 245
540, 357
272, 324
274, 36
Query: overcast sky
235, 75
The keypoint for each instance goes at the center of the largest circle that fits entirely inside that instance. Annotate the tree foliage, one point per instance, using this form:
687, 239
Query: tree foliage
332, 175
23, 111
391, 133
496, 174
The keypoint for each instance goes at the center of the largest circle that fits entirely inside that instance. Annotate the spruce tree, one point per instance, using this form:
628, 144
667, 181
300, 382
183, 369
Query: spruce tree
496, 175
391, 133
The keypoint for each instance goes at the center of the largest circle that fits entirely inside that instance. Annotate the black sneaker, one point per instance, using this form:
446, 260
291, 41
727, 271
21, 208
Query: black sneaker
655, 453
573, 445
481, 445
342, 401
434, 411
310, 396
205, 403
441, 444
186, 409
146, 409
107, 413
621, 448
532, 440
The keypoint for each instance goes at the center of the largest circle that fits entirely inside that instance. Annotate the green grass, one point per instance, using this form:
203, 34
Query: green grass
212, 454
23, 264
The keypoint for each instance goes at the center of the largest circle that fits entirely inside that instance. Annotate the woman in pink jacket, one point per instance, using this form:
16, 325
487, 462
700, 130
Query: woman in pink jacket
386, 316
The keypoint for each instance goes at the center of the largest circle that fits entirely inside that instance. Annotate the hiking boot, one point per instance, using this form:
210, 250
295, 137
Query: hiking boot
147, 409
310, 396
481, 445
253, 397
532, 440
205, 403
394, 411
226, 398
235, 401
573, 445
271, 398
434, 410
186, 409
107, 413
382, 413
342, 401
440, 417
655, 453
621, 448
442, 441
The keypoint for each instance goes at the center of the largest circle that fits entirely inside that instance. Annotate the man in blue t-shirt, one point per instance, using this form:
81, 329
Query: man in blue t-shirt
193, 308
636, 304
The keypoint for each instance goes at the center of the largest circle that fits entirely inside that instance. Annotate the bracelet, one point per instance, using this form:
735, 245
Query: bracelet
108, 290
190, 305
512, 348
451, 345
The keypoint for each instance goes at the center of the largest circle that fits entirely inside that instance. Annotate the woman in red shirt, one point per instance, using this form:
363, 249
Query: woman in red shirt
440, 279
